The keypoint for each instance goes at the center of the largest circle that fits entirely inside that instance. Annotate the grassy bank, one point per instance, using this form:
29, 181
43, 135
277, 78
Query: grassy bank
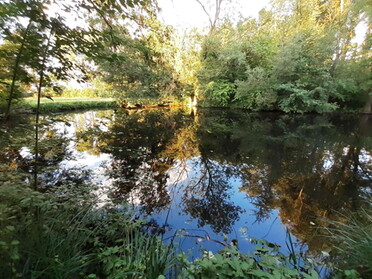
65, 104
354, 241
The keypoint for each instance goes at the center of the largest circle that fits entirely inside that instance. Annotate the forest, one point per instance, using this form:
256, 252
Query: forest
133, 148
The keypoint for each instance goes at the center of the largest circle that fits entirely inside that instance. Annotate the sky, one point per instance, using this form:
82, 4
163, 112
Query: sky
188, 14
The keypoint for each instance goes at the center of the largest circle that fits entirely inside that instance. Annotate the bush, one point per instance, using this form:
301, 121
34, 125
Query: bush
220, 93
298, 99
265, 262
255, 92
62, 234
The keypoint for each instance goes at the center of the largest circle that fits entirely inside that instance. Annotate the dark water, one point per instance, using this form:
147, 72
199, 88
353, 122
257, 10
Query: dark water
218, 174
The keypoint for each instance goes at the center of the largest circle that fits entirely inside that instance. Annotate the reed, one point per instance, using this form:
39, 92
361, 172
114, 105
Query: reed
354, 241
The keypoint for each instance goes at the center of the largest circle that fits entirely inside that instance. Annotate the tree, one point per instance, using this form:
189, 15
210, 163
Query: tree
64, 40
213, 12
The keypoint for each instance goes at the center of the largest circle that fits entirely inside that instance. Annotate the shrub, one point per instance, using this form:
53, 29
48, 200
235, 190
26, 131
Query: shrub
62, 234
220, 93
298, 99
255, 92
265, 262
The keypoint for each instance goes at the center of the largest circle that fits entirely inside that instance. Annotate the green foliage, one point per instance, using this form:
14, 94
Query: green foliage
265, 262
220, 93
255, 92
7, 50
62, 234
354, 83
140, 66
98, 89
44, 52
313, 68
136, 256
300, 100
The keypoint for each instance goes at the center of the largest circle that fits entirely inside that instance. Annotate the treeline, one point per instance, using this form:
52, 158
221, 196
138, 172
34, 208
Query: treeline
47, 44
298, 56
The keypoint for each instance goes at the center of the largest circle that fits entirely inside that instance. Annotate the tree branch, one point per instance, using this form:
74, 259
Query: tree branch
206, 12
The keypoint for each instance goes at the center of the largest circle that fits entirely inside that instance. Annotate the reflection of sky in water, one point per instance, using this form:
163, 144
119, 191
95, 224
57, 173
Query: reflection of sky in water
328, 160
183, 174
83, 160
86, 160
244, 227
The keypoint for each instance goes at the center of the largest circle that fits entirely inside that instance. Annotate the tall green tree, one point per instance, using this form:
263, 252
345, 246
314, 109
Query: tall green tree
299, 56
65, 40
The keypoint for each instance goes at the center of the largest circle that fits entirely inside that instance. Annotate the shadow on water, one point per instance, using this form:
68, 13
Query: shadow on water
211, 174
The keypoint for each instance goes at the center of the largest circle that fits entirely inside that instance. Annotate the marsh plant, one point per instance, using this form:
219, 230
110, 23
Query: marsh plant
353, 251
62, 234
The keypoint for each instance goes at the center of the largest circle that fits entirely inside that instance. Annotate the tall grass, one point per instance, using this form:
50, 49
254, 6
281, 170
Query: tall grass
64, 235
354, 241
137, 255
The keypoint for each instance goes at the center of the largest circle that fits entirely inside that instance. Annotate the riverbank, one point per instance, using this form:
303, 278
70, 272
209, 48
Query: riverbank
59, 104
63, 237
66, 104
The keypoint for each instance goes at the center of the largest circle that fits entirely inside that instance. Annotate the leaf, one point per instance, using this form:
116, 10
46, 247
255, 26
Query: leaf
15, 242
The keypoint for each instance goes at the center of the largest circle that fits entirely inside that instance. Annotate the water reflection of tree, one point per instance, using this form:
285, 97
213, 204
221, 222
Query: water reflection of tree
88, 127
139, 169
146, 145
207, 198
53, 149
305, 166
314, 171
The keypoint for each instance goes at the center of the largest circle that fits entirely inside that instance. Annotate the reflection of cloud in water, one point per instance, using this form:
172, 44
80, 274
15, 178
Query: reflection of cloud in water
328, 161
25, 152
87, 161
365, 157
179, 172
97, 165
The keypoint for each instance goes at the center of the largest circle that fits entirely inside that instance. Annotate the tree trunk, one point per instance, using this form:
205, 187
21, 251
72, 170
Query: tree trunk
368, 106
15, 71
41, 74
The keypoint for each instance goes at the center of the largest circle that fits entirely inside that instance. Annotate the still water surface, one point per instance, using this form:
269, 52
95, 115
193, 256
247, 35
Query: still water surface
215, 175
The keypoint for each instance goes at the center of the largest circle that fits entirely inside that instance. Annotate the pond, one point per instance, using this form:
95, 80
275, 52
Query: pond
211, 176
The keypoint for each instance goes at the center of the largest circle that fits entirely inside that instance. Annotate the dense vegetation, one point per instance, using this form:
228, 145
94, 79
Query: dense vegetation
297, 57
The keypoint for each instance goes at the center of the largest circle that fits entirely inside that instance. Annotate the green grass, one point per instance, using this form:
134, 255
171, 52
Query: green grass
63, 104
354, 241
